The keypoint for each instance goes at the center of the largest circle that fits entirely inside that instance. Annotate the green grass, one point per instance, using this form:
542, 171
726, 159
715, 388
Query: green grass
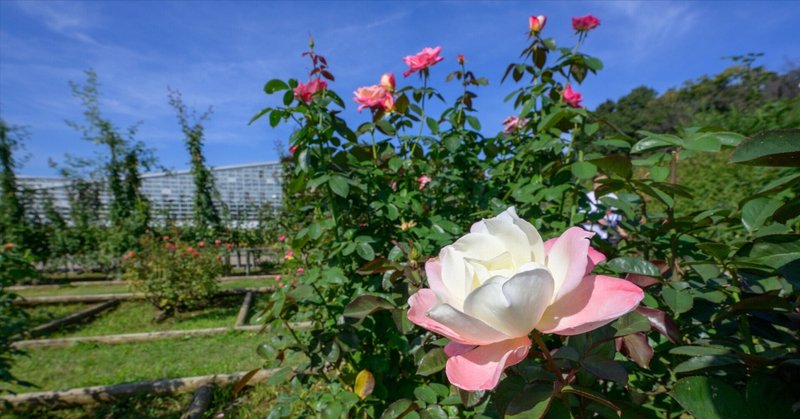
123, 288
94, 364
137, 316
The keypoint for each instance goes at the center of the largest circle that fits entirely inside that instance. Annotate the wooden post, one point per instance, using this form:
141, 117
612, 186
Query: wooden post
242, 317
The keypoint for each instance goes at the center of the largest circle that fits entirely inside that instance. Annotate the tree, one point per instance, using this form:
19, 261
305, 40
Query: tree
205, 213
12, 211
119, 166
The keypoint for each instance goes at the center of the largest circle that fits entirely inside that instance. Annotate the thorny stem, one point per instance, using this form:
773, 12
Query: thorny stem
546, 354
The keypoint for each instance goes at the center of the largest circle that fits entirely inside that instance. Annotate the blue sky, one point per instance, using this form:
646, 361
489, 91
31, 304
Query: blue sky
220, 54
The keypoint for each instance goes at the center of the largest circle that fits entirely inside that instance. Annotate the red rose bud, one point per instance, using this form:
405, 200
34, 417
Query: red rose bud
460, 58
585, 23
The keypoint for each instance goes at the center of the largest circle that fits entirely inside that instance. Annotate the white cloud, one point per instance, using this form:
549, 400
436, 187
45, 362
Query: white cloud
70, 19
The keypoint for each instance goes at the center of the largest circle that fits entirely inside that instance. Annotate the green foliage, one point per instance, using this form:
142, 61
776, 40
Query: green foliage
205, 213
174, 275
13, 320
367, 206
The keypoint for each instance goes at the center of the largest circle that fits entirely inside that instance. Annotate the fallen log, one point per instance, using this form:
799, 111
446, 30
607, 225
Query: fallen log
98, 394
97, 298
240, 319
199, 404
72, 318
126, 337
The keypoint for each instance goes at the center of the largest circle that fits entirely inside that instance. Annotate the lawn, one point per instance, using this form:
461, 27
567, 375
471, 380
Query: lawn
123, 288
96, 364
44, 313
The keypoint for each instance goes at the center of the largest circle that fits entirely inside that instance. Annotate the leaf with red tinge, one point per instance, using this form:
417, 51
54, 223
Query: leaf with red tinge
365, 383
660, 321
642, 281
637, 349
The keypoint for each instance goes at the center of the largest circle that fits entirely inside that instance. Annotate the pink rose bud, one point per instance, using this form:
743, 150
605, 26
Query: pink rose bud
424, 59
460, 58
229, 246
536, 23
277, 277
282, 238
388, 82
304, 92
584, 23
217, 242
571, 97
201, 244
375, 97
300, 271
292, 149
424, 180
190, 249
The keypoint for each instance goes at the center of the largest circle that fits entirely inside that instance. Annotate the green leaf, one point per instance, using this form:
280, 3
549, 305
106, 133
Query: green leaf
364, 305
532, 402
658, 173
432, 125
709, 398
703, 362
680, 301
432, 362
474, 123
425, 394
433, 412
615, 163
339, 186
398, 409
699, 350
279, 376
756, 212
769, 397
591, 395
583, 170
364, 250
385, 127
275, 85
771, 148
606, 369
634, 265
630, 323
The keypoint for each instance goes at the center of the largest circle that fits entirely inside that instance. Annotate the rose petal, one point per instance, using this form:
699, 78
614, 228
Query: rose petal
513, 238
433, 270
467, 329
456, 276
455, 348
595, 258
512, 306
567, 260
480, 368
597, 301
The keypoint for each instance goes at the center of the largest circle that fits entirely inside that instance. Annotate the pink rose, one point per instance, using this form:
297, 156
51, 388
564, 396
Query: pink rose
229, 246
536, 23
300, 271
572, 97
375, 97
289, 255
494, 286
277, 277
292, 149
282, 238
201, 244
460, 58
424, 59
304, 92
217, 242
585, 23
423, 181
388, 82
512, 124
171, 246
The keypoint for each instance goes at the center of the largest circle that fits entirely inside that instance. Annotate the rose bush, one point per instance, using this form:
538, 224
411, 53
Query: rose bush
494, 286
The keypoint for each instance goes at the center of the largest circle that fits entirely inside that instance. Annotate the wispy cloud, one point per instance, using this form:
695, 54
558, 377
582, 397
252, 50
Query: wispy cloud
70, 19
650, 26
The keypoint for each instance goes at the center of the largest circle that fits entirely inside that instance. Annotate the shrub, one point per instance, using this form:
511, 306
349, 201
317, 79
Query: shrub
174, 275
13, 320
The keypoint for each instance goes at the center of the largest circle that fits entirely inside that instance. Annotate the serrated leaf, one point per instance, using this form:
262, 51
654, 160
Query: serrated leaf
364, 250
